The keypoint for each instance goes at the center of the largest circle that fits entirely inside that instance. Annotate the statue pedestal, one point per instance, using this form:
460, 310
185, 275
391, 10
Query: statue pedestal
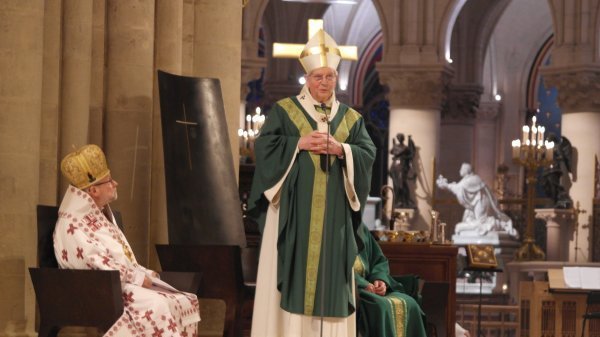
372, 213
402, 218
559, 222
505, 247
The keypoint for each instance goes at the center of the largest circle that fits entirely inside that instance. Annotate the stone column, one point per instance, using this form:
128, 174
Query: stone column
21, 66
578, 98
97, 90
218, 53
458, 128
50, 116
169, 39
128, 121
416, 95
75, 77
485, 148
559, 225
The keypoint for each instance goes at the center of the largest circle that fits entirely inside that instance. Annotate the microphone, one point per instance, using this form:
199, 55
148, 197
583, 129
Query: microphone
324, 158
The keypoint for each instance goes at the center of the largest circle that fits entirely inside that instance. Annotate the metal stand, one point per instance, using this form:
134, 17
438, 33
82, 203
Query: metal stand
479, 272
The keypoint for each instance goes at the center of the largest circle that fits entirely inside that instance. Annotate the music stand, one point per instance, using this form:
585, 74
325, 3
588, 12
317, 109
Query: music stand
480, 271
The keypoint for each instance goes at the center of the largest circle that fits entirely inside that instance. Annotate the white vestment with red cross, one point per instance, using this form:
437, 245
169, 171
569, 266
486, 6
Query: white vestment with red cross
84, 238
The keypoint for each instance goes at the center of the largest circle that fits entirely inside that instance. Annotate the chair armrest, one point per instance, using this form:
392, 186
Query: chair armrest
65, 295
412, 286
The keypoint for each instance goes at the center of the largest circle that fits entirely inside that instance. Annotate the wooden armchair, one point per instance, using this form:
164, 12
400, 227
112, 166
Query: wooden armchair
90, 298
87, 298
224, 264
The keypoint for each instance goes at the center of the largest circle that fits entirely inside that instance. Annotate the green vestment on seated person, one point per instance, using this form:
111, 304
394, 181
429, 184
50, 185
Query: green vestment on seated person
301, 250
396, 314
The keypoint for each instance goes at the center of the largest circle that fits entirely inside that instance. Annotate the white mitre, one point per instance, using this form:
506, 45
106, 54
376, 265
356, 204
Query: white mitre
320, 51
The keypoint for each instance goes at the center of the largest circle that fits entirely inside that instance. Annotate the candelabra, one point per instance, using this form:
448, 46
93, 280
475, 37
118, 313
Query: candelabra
249, 134
532, 152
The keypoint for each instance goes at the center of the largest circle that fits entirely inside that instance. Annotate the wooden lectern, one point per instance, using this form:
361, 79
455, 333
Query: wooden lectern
436, 264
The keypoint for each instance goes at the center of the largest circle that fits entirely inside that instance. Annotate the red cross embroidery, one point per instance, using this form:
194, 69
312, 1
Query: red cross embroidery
158, 332
184, 333
128, 297
105, 260
64, 255
172, 325
71, 229
147, 315
92, 222
80, 252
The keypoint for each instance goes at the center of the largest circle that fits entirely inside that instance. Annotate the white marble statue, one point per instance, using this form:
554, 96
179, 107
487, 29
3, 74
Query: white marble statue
482, 214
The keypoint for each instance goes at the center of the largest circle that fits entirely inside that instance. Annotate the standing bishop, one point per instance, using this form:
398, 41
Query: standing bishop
312, 178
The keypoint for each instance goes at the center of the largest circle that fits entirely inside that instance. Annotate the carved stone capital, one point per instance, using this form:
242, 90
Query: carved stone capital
421, 87
462, 103
488, 111
251, 69
578, 87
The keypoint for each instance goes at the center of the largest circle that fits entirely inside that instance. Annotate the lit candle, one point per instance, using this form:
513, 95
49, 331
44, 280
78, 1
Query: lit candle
533, 119
245, 139
525, 134
516, 148
248, 122
550, 150
541, 130
255, 123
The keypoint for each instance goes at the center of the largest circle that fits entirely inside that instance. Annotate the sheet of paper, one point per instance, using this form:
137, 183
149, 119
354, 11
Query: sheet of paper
582, 277
590, 277
572, 277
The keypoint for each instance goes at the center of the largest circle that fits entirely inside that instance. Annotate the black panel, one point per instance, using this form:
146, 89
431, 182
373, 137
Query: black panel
203, 204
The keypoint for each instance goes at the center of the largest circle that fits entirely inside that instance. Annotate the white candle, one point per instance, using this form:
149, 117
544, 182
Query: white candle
516, 148
550, 151
525, 134
248, 122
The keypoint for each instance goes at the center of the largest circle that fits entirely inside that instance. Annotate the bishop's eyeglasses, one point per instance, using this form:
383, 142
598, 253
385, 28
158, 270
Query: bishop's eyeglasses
321, 78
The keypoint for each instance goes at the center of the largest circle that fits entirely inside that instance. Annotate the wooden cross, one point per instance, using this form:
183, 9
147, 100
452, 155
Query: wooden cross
187, 123
294, 50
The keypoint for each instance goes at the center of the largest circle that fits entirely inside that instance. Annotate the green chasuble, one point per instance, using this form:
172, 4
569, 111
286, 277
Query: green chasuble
396, 314
306, 263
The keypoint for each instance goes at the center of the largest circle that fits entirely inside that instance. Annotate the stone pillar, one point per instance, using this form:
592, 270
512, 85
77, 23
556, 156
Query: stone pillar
128, 121
559, 225
50, 117
416, 95
97, 90
218, 53
75, 77
21, 66
580, 104
485, 148
457, 131
169, 39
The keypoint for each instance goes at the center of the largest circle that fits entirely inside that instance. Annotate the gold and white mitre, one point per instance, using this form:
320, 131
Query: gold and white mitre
85, 166
320, 51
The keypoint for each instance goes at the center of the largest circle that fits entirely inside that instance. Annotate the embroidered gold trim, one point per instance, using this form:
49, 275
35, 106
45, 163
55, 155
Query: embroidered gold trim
399, 309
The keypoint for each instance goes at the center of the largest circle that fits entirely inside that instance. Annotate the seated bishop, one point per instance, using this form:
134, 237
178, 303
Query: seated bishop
87, 237
384, 307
